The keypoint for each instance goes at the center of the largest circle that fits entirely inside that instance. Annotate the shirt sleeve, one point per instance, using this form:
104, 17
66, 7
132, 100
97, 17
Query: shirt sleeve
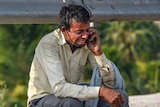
106, 69
48, 56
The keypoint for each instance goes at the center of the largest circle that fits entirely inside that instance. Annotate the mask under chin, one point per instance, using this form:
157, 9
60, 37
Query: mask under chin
77, 46
74, 45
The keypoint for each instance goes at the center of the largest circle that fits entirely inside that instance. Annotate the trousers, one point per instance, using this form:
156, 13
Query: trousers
96, 80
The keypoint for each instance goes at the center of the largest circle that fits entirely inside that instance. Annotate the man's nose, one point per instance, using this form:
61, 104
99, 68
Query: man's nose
85, 34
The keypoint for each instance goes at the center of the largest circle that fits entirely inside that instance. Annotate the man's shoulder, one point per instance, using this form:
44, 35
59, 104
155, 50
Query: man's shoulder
49, 38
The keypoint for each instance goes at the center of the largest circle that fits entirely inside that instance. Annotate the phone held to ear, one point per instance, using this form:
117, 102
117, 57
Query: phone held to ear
91, 39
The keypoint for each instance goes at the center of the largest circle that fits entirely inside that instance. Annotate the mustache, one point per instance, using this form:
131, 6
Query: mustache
81, 39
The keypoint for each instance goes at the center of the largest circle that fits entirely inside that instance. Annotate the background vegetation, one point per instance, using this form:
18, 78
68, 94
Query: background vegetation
132, 46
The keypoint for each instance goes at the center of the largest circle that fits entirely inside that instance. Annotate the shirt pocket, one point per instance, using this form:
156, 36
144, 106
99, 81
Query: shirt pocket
81, 68
77, 73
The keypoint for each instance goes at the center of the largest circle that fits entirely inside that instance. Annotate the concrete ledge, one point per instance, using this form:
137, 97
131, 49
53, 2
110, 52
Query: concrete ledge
46, 11
150, 100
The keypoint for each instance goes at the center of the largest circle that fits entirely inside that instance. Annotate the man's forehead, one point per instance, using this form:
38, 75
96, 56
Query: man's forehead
76, 25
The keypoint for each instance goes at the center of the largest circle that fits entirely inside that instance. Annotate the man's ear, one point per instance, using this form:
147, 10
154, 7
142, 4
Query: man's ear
63, 29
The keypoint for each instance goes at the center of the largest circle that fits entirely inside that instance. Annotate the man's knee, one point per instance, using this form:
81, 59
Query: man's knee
71, 102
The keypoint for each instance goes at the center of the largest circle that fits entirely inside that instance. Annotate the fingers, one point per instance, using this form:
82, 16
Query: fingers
122, 98
93, 35
114, 98
113, 105
119, 100
117, 103
94, 42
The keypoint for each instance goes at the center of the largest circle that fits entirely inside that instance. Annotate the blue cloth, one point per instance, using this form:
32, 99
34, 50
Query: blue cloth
119, 82
96, 80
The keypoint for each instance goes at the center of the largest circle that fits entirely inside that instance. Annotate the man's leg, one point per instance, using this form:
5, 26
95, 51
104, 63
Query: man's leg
52, 101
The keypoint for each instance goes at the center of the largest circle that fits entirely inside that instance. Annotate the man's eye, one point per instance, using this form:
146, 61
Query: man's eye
79, 32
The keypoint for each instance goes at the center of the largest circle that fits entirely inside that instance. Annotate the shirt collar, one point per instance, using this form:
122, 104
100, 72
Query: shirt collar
60, 36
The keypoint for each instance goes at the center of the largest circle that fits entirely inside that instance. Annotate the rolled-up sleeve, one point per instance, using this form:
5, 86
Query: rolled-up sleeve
106, 69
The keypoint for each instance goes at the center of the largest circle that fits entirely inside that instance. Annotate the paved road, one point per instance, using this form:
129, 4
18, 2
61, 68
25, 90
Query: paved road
150, 100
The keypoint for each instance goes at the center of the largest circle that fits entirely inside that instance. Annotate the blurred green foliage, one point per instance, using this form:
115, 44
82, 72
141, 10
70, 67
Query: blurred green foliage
133, 46
3, 92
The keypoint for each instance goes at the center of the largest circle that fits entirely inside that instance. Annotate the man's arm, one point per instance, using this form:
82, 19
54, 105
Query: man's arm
109, 95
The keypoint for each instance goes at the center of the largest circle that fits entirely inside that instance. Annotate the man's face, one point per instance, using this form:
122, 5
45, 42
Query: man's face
78, 33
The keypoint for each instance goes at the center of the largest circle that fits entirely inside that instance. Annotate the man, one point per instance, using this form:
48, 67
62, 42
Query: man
59, 61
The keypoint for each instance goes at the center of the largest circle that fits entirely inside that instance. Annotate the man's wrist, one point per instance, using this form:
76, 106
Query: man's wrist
98, 53
101, 92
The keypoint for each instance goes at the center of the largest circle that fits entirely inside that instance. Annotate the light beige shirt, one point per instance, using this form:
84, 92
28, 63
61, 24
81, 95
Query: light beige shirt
56, 70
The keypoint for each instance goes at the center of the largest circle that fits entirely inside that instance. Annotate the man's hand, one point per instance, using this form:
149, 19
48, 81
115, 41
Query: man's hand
112, 97
94, 42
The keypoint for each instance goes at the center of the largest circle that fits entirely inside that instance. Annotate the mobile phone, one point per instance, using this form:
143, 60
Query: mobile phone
89, 37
